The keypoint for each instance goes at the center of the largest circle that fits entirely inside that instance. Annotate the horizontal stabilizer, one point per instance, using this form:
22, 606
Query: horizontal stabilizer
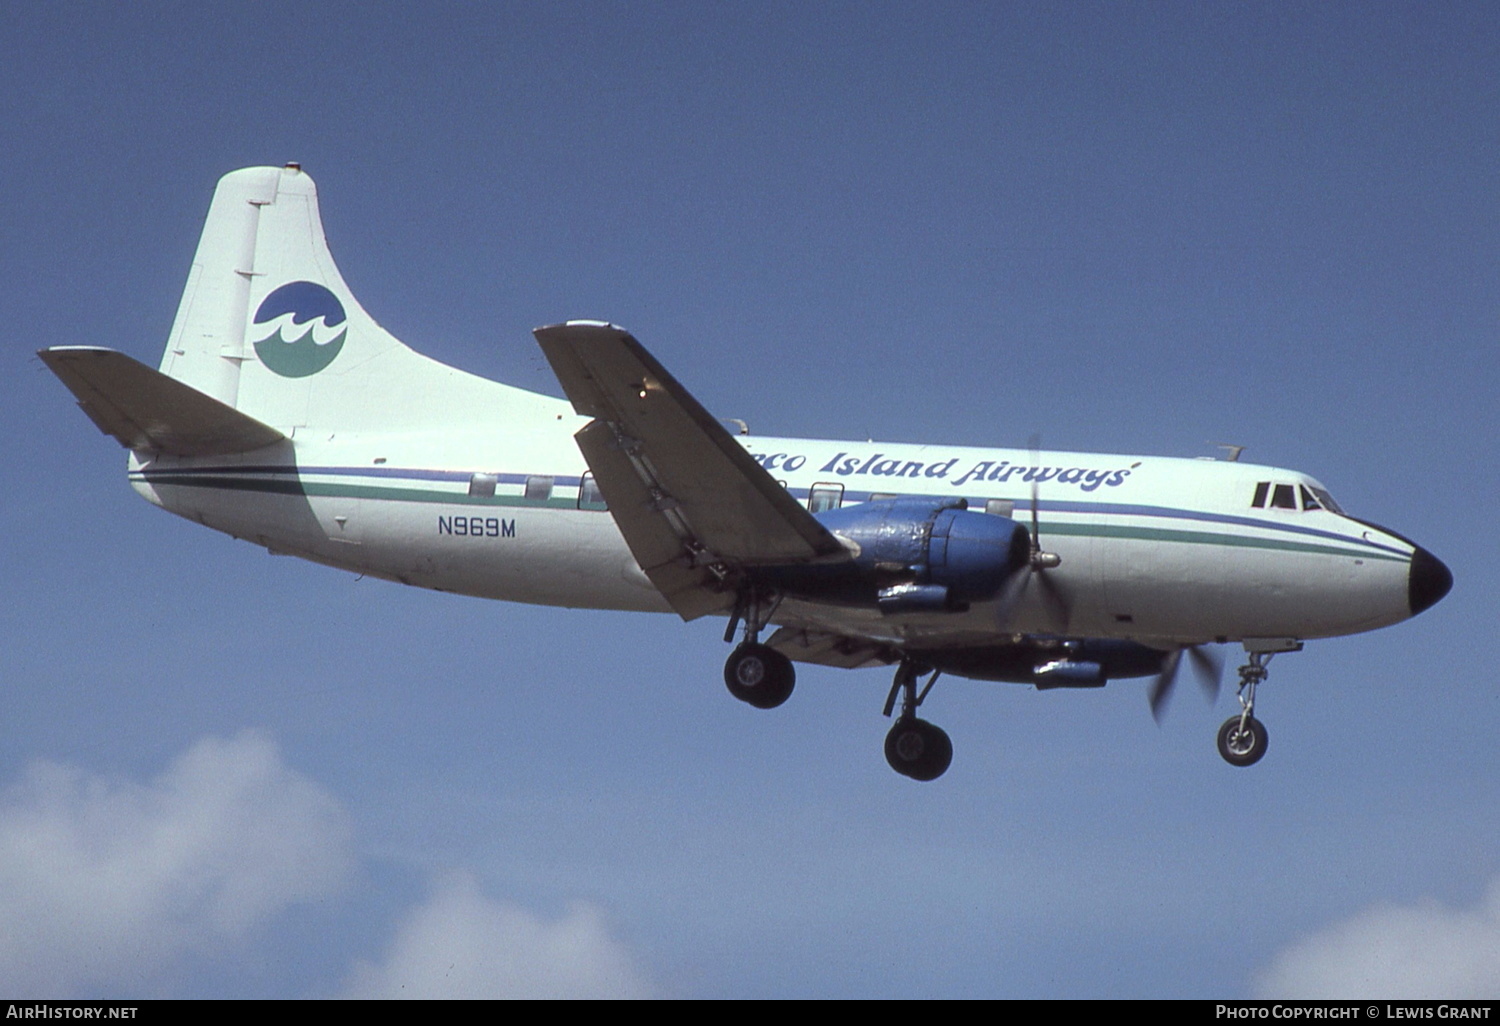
145, 409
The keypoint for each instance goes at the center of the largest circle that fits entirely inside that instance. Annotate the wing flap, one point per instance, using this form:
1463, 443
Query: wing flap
144, 409
838, 650
691, 588
693, 505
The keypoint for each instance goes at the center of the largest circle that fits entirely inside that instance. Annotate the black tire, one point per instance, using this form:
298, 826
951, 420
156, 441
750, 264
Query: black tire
1242, 747
759, 675
918, 749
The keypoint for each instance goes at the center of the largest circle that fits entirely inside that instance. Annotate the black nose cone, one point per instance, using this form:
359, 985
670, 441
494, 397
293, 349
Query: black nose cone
1429, 580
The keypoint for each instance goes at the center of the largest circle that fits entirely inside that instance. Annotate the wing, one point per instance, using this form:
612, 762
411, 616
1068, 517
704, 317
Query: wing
696, 510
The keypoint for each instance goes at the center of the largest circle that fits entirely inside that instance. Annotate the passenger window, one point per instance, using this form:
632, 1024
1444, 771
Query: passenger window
539, 487
825, 496
589, 496
1284, 497
881, 496
482, 486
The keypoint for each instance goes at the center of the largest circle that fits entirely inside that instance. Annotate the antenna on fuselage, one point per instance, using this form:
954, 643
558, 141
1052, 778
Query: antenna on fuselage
1231, 452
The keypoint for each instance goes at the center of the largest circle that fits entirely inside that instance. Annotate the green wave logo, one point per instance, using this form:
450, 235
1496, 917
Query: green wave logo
288, 308
298, 357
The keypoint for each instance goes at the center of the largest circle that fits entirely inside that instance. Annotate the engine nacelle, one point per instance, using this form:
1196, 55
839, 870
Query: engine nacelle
914, 554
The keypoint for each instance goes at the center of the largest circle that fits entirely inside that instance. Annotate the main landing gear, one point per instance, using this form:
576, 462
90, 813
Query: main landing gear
761, 676
756, 673
915, 748
1242, 738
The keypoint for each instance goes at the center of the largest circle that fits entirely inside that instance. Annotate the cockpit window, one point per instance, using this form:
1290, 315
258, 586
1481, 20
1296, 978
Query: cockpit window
1269, 495
1326, 501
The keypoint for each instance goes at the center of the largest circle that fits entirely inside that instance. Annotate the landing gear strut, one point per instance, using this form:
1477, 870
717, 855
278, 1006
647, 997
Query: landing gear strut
756, 673
915, 748
1242, 738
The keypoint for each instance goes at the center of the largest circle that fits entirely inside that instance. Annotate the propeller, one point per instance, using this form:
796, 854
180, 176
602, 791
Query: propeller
1208, 667
1039, 561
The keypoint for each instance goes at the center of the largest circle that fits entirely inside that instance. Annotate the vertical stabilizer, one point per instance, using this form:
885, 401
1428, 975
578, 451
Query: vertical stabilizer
268, 326
207, 343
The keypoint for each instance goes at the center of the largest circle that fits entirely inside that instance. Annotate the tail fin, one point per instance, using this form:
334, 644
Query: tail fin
268, 326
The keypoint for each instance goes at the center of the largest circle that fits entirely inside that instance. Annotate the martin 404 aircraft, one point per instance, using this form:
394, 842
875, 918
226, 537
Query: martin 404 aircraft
283, 414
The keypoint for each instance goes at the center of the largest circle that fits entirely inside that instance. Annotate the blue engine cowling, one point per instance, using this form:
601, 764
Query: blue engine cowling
913, 554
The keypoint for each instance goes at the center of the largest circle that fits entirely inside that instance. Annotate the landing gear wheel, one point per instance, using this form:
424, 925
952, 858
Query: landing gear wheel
1242, 747
917, 749
759, 675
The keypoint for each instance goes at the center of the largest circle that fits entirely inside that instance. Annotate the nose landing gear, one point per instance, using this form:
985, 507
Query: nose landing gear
1242, 738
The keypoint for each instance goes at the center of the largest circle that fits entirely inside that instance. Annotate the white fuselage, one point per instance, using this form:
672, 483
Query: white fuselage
1152, 548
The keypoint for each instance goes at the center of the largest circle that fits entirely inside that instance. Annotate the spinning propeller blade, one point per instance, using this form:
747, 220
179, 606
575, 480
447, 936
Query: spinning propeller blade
1053, 601
1208, 667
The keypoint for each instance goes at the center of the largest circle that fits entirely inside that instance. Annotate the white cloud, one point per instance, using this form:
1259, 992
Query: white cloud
461, 944
109, 883
1422, 951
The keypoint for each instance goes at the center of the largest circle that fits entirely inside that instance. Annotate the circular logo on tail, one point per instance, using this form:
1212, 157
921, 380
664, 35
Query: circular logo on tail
290, 351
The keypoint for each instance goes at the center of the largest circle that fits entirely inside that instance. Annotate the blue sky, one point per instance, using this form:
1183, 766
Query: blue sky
1139, 228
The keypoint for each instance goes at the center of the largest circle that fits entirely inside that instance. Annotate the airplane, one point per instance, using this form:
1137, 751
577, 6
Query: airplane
283, 414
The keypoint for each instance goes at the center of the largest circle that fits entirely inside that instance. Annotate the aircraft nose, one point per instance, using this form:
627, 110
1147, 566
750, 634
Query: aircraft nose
1427, 582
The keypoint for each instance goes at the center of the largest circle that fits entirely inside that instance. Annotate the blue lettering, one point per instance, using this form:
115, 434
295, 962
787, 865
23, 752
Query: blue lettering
977, 471
1093, 479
